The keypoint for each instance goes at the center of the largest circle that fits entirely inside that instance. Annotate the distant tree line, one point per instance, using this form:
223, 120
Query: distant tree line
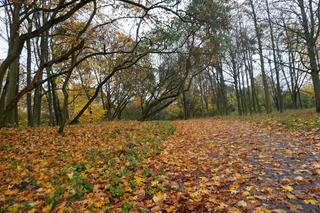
69, 61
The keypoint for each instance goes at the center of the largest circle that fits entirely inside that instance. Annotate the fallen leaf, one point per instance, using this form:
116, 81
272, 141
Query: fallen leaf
287, 188
291, 196
159, 197
312, 202
242, 204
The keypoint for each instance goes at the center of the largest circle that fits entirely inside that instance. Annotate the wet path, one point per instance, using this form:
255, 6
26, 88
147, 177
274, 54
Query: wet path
224, 165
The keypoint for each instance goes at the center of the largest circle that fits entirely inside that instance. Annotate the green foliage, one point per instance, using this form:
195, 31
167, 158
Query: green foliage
14, 165
167, 128
95, 154
56, 196
80, 185
126, 207
116, 190
72, 184
28, 182
147, 172
27, 205
5, 148
133, 184
115, 165
150, 191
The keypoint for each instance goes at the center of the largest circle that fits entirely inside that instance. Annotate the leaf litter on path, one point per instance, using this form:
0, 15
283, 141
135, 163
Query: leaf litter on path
210, 165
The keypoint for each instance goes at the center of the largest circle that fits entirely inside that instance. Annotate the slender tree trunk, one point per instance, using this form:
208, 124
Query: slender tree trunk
37, 106
276, 67
236, 84
245, 101
253, 85
45, 59
29, 95
243, 107
273, 87
248, 91
64, 112
186, 110
264, 76
55, 102
38, 91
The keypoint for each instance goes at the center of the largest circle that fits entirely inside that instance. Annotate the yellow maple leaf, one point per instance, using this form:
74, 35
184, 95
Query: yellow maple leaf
316, 165
287, 188
246, 193
222, 206
312, 202
261, 210
171, 209
234, 210
10, 192
47, 208
291, 196
139, 180
196, 196
242, 203
285, 180
159, 197
33, 210
267, 190
70, 175
299, 178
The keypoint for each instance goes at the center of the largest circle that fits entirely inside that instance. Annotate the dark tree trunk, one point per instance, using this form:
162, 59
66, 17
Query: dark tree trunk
29, 95
276, 67
264, 76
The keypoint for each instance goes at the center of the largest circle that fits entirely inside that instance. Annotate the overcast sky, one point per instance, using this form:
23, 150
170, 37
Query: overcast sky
3, 43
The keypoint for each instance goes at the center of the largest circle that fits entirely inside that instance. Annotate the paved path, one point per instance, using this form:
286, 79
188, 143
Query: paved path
226, 165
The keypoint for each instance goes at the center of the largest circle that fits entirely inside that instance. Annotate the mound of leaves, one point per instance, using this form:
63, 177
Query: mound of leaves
101, 166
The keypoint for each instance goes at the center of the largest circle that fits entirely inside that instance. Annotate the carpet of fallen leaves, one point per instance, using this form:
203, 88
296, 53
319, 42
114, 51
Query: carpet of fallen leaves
210, 165
305, 120
92, 167
237, 166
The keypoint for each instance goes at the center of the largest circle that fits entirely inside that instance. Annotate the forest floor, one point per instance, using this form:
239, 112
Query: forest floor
205, 165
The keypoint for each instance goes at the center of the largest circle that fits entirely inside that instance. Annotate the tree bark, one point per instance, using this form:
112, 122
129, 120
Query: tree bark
276, 67
264, 76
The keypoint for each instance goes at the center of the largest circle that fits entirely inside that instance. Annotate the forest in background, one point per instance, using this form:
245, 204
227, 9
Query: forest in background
69, 61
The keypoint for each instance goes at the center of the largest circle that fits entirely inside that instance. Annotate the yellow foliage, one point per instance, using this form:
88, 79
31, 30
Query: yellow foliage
308, 89
174, 111
94, 113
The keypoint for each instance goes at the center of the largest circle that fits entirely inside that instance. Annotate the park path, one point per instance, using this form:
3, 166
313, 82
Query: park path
236, 166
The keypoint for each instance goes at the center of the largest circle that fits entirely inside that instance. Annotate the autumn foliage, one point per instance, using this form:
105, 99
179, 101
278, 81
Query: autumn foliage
103, 166
215, 165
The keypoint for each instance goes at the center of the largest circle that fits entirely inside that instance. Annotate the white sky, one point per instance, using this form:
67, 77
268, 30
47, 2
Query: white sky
3, 42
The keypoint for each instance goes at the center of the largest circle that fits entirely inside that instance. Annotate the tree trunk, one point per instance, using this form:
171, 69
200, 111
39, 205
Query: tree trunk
64, 111
236, 83
264, 76
222, 90
9, 92
276, 67
29, 95
311, 39
11, 117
